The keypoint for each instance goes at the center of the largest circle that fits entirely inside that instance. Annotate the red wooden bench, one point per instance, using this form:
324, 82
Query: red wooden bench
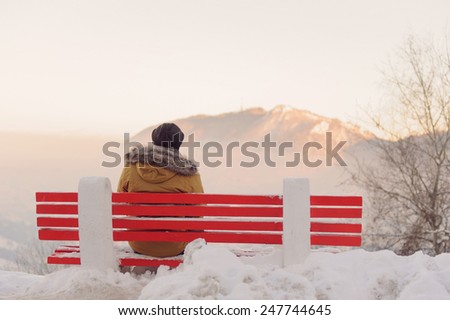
239, 219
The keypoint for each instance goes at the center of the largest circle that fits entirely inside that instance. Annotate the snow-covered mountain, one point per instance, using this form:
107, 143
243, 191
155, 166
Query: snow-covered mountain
285, 125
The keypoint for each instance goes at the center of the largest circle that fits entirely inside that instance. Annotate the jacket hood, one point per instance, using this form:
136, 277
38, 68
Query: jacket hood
156, 161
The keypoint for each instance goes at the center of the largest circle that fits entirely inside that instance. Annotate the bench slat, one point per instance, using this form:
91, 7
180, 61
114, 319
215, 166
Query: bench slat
137, 223
195, 211
126, 235
197, 225
200, 198
336, 227
58, 234
57, 222
180, 198
351, 213
349, 201
334, 240
132, 235
179, 210
56, 197
188, 236
203, 224
63, 258
131, 262
57, 209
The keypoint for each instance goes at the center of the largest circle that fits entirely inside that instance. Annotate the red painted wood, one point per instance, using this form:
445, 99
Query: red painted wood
57, 259
350, 201
197, 225
129, 235
173, 263
56, 197
62, 258
181, 198
196, 211
137, 223
58, 234
169, 210
143, 224
57, 209
222, 237
352, 213
333, 240
57, 222
126, 235
336, 227
62, 228
190, 198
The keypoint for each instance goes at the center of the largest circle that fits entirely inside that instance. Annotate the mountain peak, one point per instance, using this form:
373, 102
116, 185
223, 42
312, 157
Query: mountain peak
283, 121
281, 108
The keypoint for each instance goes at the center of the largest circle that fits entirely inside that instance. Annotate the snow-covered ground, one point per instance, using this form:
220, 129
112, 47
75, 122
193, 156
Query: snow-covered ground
213, 272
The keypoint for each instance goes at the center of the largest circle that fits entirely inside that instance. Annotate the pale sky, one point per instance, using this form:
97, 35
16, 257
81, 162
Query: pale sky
105, 66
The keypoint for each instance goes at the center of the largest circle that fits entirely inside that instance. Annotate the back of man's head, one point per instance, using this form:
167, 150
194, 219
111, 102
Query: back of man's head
168, 135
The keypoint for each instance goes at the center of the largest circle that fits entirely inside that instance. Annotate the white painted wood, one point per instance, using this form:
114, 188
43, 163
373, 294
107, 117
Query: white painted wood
95, 223
296, 220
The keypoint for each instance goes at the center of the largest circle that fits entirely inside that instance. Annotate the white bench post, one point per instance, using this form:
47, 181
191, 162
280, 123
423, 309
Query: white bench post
95, 223
296, 220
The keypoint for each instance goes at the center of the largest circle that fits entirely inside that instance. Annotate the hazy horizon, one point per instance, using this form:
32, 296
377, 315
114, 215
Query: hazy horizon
136, 131
104, 67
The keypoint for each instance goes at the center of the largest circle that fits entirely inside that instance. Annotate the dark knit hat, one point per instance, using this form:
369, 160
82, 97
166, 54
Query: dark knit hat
168, 135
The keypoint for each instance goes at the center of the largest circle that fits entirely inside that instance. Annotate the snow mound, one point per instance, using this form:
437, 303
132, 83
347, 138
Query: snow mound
358, 274
73, 283
214, 272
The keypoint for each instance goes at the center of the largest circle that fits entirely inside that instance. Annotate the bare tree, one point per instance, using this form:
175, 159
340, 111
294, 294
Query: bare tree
408, 181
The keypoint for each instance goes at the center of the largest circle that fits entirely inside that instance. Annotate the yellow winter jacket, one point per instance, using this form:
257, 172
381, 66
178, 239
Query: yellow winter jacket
158, 169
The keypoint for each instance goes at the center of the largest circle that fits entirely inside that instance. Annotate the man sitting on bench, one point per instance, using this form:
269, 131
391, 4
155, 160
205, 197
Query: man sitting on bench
160, 168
